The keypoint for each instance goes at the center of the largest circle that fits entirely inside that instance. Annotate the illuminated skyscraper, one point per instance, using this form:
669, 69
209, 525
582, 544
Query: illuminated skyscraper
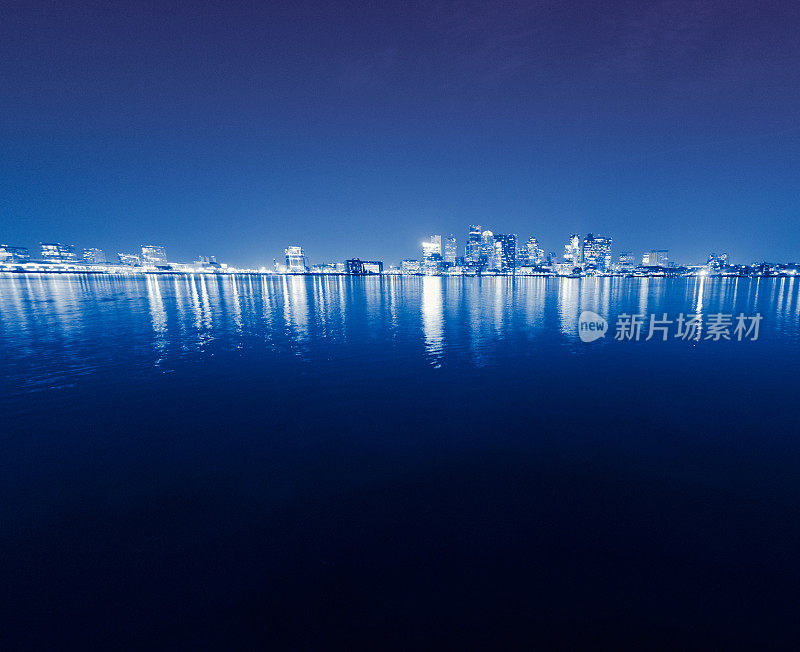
473, 252
432, 255
450, 249
295, 260
432, 246
505, 251
487, 250
572, 250
535, 253
597, 252
154, 255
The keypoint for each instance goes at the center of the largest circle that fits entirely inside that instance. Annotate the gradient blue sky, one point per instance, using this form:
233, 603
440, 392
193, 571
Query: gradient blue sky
356, 129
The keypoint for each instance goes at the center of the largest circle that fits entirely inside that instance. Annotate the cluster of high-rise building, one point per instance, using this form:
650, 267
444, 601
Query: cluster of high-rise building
487, 252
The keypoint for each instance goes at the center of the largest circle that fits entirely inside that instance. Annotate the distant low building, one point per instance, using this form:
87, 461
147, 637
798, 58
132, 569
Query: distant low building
411, 267
93, 255
129, 260
357, 267
154, 255
56, 252
717, 261
12, 254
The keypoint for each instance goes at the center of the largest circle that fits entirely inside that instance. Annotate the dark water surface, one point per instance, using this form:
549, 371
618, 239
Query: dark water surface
200, 461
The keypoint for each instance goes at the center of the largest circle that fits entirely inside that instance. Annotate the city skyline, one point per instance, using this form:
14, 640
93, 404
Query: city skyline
481, 251
674, 123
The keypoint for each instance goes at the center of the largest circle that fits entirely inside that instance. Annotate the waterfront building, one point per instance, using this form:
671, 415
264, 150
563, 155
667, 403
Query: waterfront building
450, 249
535, 254
656, 258
411, 267
154, 255
627, 261
473, 249
56, 252
12, 254
572, 250
505, 246
432, 255
487, 251
358, 267
129, 260
93, 255
717, 261
432, 246
295, 260
597, 252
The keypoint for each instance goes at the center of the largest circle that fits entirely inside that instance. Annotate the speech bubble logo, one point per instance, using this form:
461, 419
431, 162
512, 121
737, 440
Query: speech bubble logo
591, 326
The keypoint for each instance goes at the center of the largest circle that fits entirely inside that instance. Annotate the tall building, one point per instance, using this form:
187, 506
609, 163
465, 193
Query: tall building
154, 255
11, 254
505, 246
597, 252
450, 249
432, 255
58, 253
432, 246
295, 260
572, 250
535, 254
93, 255
473, 252
487, 250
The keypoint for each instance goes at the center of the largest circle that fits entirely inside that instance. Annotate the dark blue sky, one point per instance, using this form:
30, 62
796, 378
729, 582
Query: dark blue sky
356, 129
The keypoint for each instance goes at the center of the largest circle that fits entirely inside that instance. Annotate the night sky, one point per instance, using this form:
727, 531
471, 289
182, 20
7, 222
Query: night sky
357, 129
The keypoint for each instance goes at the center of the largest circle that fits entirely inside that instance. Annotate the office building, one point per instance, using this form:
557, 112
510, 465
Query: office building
572, 250
596, 252
154, 255
55, 252
717, 261
450, 249
358, 267
295, 260
534, 252
627, 261
93, 255
473, 250
505, 246
129, 260
487, 251
411, 267
11, 254
656, 258
432, 246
